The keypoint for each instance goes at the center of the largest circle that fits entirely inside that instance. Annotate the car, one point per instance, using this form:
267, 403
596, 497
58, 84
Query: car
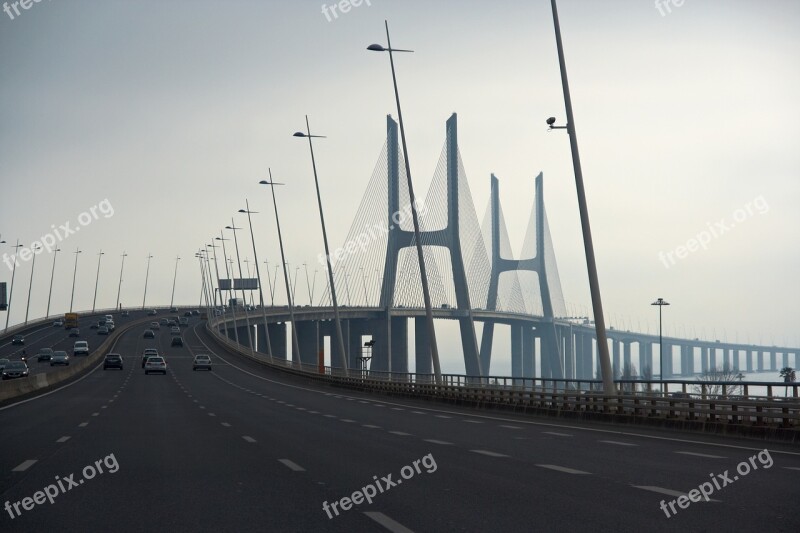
45, 354
80, 348
183, 322
149, 334
59, 358
112, 360
109, 318
155, 364
177, 341
195, 312
164, 321
74, 332
58, 324
173, 309
95, 325
152, 312
187, 313
18, 339
102, 330
155, 325
201, 360
15, 369
172, 323
3, 363
111, 326
175, 330
125, 313
148, 352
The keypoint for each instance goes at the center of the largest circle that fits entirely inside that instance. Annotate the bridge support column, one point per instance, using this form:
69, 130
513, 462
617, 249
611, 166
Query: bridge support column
261, 339
751, 355
687, 360
529, 351
615, 347
308, 342
736, 361
772, 360
277, 336
704, 358
516, 350
569, 354
667, 363
399, 344
626, 356
356, 328
726, 360
588, 350
422, 347
242, 332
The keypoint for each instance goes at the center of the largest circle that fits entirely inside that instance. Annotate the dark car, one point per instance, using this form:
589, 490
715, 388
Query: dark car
74, 332
177, 341
187, 313
152, 312
102, 330
149, 334
18, 339
45, 354
94, 325
112, 360
59, 358
15, 369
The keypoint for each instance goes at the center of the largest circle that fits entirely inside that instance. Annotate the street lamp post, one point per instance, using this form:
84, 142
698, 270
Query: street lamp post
174, 278
295, 343
146, 277
414, 215
36, 250
97, 279
52, 274
308, 286
337, 319
258, 276
11, 289
269, 282
119, 287
74, 274
233, 228
230, 286
594, 284
660, 303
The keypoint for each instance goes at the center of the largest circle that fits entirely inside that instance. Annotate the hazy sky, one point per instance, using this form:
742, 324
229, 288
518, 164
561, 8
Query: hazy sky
172, 112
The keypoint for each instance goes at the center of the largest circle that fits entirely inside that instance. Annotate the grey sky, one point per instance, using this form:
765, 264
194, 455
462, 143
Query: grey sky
174, 110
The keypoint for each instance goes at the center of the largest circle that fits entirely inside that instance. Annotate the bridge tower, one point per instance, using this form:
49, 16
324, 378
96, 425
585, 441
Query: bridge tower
447, 237
522, 348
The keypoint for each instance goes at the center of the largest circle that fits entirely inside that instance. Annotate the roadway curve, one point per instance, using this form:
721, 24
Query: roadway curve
246, 448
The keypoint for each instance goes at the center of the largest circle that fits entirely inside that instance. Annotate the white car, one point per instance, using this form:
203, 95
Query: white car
80, 348
201, 360
155, 364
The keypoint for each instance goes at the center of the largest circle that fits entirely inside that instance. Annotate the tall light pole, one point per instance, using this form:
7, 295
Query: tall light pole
337, 319
52, 274
11, 289
203, 293
233, 228
269, 282
36, 249
258, 276
308, 286
437, 369
174, 278
594, 284
660, 303
74, 274
119, 287
230, 286
295, 343
146, 277
97, 279
214, 289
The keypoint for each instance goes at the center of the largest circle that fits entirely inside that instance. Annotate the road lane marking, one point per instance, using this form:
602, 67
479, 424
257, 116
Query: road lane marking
388, 523
65, 438
83, 424
329, 416
292, 465
23, 466
511, 427
490, 454
668, 492
401, 433
95, 414
473, 421
702, 455
211, 414
248, 439
618, 443
225, 424
442, 442
791, 468
443, 416
346, 420
563, 469
557, 434
371, 426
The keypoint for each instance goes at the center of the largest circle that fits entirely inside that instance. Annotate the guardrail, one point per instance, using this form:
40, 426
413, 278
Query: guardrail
776, 417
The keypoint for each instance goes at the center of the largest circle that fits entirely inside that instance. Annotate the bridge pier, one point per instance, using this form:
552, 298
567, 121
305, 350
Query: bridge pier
422, 347
399, 344
773, 360
736, 359
529, 352
666, 365
307, 341
704, 359
626, 356
646, 347
516, 350
277, 337
615, 358
569, 354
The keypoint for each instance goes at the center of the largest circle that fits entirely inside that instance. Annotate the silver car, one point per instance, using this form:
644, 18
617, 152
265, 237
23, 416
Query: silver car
201, 360
59, 358
155, 364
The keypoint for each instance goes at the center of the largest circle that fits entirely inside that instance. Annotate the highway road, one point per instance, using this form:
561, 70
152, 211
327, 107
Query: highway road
244, 448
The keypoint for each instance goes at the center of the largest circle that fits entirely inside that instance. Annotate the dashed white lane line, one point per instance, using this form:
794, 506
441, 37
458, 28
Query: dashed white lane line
401, 433
707, 456
23, 466
490, 454
668, 492
791, 468
563, 469
329, 416
248, 438
419, 413
442, 442
371, 426
65, 438
225, 424
211, 414
388, 523
346, 420
292, 465
618, 443
557, 434
95, 414
397, 409
443, 416
510, 427
313, 412
83, 424
473, 421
